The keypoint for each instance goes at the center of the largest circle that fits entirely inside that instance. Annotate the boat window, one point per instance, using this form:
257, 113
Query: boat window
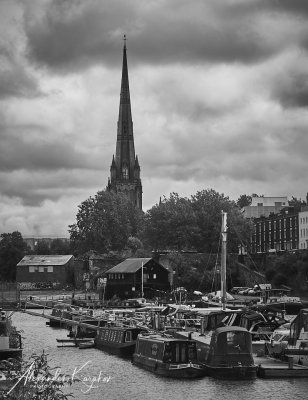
180, 352
236, 342
183, 353
167, 353
191, 352
177, 352
154, 349
128, 336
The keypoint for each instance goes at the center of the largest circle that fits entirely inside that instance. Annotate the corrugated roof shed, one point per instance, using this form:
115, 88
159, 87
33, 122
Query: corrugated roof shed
45, 260
130, 265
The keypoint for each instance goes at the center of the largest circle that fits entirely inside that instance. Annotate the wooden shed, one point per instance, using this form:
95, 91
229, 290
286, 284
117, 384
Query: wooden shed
125, 279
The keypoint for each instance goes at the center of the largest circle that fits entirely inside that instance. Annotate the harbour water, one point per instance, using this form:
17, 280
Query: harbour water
107, 377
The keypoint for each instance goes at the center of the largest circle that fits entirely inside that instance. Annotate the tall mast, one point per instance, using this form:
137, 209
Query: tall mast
223, 273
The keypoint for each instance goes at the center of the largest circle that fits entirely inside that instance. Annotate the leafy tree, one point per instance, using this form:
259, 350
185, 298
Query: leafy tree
134, 244
186, 224
59, 246
171, 224
12, 250
105, 222
208, 205
243, 200
42, 248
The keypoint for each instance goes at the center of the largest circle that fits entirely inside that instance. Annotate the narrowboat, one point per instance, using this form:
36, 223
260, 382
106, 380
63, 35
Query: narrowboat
118, 340
59, 313
229, 354
225, 352
167, 356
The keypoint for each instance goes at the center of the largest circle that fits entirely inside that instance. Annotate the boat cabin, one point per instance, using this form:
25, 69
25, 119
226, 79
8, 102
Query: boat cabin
117, 334
230, 346
167, 350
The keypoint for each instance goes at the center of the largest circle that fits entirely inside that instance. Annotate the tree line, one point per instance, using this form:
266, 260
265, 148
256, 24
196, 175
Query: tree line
109, 223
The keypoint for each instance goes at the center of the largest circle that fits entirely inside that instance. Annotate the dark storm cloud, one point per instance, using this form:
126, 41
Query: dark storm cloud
15, 80
32, 188
298, 7
33, 148
291, 90
73, 34
69, 35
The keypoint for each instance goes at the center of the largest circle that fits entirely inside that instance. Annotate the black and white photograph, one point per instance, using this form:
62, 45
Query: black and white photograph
153, 199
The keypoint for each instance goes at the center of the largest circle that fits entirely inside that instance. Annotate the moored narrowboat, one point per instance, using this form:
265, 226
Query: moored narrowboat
166, 356
229, 354
225, 352
118, 340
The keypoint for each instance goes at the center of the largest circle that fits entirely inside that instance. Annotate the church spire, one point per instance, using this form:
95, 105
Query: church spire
125, 169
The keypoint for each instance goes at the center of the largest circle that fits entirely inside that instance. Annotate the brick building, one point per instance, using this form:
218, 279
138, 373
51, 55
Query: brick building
277, 232
45, 271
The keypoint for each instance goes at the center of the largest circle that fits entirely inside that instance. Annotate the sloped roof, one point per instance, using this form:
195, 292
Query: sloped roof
129, 266
45, 260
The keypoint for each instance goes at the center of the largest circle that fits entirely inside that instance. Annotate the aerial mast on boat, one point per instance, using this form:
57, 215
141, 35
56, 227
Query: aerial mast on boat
223, 273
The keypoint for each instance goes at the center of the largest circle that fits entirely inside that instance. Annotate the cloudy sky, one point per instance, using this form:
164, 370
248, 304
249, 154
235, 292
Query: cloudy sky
219, 93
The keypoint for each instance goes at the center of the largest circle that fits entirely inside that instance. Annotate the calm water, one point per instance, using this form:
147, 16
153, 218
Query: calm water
122, 380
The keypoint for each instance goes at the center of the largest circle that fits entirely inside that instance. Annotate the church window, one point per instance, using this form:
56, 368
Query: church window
125, 172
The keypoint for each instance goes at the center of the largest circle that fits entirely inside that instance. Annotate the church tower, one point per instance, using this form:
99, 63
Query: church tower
125, 169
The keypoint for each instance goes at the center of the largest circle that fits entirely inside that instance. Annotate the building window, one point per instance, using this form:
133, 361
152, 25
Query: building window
33, 268
50, 268
154, 276
125, 172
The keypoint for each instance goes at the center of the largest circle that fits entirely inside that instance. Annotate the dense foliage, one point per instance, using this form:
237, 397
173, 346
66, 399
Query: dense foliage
185, 224
105, 223
290, 269
12, 250
109, 221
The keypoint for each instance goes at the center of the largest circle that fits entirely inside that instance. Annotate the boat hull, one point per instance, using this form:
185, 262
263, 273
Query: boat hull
170, 370
232, 372
120, 349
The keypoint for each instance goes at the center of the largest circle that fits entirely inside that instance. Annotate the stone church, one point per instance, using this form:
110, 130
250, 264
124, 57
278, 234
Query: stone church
125, 168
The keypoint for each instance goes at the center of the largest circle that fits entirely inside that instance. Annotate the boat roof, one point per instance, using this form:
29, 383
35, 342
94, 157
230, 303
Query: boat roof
230, 329
160, 338
122, 328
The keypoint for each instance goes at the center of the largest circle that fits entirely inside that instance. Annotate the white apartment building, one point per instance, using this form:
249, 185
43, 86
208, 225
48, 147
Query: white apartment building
263, 206
303, 230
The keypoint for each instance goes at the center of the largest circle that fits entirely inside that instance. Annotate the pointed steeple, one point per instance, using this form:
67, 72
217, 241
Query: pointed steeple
125, 169
125, 149
125, 114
